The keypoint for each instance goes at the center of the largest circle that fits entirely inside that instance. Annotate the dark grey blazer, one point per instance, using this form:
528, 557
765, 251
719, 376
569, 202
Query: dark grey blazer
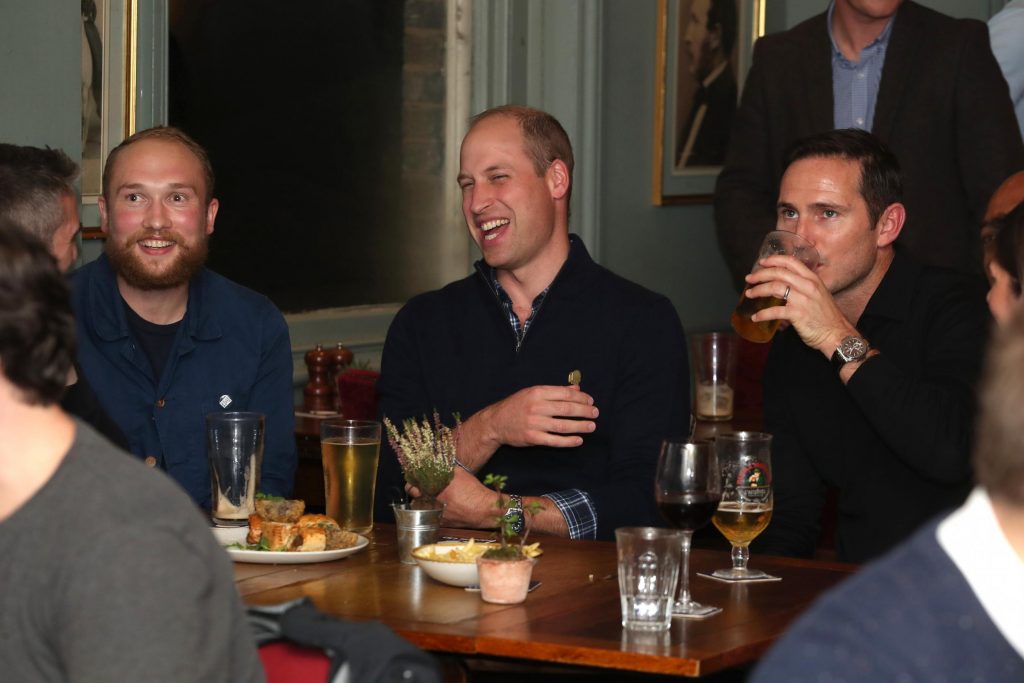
943, 108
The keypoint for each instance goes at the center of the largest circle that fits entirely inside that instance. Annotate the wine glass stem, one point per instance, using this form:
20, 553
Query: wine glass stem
740, 555
684, 580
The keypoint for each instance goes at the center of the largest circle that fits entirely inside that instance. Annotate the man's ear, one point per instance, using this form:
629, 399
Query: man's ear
211, 215
890, 224
558, 179
101, 203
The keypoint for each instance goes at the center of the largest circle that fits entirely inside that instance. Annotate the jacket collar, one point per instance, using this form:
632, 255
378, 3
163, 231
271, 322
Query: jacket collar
111, 323
906, 46
568, 280
813, 36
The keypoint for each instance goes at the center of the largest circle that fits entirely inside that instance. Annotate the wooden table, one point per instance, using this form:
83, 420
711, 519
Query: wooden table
572, 618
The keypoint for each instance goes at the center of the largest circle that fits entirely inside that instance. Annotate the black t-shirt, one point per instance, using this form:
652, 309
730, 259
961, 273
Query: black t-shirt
155, 340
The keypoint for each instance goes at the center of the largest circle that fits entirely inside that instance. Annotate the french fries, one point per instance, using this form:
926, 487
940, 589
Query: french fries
467, 553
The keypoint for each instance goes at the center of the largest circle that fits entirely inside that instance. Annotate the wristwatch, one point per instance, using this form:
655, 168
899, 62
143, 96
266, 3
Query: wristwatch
850, 350
515, 513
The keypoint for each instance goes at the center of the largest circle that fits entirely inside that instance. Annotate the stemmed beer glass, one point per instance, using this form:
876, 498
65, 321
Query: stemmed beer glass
746, 506
687, 488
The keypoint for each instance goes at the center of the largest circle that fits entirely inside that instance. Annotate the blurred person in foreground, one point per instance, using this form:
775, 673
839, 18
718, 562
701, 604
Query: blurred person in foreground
37, 191
109, 572
1004, 267
870, 390
163, 340
498, 347
948, 604
1007, 196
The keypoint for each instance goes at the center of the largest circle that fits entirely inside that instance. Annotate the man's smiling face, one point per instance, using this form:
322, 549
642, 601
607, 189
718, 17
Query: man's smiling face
509, 208
156, 216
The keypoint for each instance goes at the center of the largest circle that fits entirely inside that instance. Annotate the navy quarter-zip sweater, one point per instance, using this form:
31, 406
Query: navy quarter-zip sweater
454, 351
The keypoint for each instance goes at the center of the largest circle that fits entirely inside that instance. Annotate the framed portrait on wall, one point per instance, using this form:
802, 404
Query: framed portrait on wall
108, 84
704, 49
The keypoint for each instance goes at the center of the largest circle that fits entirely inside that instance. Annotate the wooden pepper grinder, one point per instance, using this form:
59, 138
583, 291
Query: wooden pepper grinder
319, 393
341, 359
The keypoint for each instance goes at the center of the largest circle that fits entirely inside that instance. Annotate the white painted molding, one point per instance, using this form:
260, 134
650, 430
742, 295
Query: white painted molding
548, 55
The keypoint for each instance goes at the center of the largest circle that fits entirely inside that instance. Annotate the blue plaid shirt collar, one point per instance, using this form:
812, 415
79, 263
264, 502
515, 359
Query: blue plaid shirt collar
519, 328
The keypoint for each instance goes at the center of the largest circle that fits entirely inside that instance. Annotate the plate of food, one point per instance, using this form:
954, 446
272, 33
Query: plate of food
280, 533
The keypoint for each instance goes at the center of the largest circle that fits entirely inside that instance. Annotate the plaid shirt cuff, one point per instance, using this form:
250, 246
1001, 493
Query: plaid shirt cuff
578, 510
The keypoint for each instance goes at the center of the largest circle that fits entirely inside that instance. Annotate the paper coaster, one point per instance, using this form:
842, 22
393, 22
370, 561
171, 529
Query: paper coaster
764, 579
702, 614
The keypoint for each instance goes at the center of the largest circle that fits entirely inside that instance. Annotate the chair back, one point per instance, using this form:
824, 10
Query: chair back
297, 642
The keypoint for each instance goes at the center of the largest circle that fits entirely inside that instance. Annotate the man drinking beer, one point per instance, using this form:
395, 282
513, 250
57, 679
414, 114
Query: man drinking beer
870, 388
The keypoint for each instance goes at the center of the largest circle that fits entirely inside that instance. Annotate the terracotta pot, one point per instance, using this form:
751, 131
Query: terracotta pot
504, 582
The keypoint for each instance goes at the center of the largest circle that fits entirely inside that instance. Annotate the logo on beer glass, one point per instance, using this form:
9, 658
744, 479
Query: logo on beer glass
754, 482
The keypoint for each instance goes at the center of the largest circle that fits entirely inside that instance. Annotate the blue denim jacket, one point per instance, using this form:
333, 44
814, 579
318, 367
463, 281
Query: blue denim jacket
232, 352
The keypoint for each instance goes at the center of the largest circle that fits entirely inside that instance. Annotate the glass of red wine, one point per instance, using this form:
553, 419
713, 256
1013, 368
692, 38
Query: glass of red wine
687, 488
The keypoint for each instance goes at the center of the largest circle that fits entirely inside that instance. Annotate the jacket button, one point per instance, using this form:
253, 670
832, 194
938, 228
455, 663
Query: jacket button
160, 403
151, 461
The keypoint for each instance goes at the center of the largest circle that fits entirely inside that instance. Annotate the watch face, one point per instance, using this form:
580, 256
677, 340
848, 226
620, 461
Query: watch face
853, 348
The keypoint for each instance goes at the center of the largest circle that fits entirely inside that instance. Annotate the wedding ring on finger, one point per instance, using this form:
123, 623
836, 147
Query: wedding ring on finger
785, 296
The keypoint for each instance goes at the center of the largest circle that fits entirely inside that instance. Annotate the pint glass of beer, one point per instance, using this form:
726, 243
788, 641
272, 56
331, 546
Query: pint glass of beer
775, 242
350, 451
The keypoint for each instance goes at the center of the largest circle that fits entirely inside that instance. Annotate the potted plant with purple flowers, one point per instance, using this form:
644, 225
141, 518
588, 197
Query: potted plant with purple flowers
426, 453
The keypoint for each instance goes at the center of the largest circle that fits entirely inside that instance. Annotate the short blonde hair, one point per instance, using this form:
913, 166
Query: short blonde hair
164, 134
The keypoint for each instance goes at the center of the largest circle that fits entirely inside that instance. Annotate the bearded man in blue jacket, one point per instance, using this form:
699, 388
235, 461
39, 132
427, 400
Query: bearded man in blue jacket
163, 340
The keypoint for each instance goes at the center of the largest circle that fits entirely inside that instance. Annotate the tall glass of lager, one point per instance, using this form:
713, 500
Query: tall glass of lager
744, 459
350, 451
775, 242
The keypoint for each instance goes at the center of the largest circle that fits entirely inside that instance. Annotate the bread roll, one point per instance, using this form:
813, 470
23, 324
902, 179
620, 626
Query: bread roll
280, 510
280, 535
317, 520
312, 539
339, 538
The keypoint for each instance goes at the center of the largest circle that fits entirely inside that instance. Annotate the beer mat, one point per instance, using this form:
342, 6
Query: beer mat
704, 613
476, 589
764, 579
318, 414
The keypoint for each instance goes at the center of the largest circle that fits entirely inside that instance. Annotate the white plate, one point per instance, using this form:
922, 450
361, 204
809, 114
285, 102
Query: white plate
236, 534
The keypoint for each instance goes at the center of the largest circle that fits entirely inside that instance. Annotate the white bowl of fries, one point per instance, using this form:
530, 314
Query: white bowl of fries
451, 562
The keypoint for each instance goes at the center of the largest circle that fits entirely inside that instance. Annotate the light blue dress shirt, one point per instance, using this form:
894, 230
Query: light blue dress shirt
1007, 32
855, 84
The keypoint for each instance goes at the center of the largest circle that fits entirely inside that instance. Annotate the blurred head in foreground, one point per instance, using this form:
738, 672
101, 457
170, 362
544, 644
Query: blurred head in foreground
37, 328
37, 192
999, 440
1006, 250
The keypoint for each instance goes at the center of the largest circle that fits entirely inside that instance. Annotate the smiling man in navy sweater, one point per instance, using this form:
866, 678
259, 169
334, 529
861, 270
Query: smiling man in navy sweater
499, 346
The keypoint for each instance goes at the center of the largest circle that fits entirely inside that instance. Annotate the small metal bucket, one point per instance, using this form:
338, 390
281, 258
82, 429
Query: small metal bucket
415, 528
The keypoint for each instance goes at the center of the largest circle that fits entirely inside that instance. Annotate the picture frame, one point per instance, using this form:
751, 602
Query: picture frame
109, 35
689, 136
